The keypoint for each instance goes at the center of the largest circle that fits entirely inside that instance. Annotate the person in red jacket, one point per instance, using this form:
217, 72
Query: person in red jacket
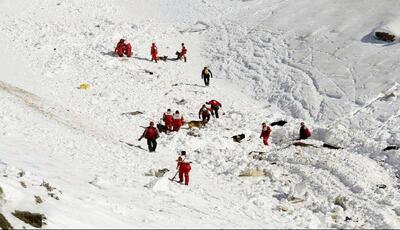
215, 106
123, 48
204, 113
183, 53
128, 50
120, 48
184, 167
168, 119
151, 134
154, 52
177, 121
304, 132
265, 132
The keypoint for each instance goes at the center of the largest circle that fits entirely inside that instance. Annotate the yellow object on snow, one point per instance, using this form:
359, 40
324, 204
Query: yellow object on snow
84, 86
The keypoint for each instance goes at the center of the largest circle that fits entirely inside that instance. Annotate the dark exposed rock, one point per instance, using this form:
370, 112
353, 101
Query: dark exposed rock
34, 219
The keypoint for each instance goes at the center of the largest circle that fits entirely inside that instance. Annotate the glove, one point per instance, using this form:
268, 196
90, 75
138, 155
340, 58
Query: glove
139, 139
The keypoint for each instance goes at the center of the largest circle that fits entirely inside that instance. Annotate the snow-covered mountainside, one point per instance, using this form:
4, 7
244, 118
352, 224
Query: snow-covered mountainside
73, 155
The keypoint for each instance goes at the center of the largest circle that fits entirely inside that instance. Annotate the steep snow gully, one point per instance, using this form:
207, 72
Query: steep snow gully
77, 150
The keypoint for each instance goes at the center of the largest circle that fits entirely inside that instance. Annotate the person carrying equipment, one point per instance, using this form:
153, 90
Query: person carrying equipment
184, 167
205, 75
151, 134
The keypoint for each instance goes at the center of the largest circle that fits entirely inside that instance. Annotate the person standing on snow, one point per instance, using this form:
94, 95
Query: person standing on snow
183, 53
215, 105
265, 132
304, 132
151, 134
205, 75
177, 121
123, 48
183, 167
154, 52
168, 118
204, 113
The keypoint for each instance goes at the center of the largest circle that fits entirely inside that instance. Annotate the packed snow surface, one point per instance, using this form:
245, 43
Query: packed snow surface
293, 60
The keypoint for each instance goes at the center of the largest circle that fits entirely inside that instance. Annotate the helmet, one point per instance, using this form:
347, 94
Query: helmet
183, 153
168, 110
263, 124
302, 123
177, 111
151, 123
183, 44
153, 44
122, 40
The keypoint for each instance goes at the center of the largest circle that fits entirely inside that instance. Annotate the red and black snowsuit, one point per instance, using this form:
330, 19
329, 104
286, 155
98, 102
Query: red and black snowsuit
215, 105
265, 132
154, 52
151, 134
168, 120
204, 114
184, 168
304, 132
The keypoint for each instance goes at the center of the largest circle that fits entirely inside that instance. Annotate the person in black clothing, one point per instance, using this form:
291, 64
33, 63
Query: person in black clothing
304, 132
205, 75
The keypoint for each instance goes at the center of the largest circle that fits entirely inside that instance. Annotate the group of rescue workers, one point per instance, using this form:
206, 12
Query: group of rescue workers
174, 121
125, 48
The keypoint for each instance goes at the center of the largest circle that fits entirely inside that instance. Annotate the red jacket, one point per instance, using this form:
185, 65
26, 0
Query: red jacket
265, 132
153, 50
304, 132
128, 49
204, 112
168, 118
183, 50
150, 133
177, 120
214, 103
183, 164
120, 48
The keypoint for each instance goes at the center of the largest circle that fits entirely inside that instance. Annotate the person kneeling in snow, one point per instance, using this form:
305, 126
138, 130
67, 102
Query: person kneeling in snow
151, 134
182, 54
304, 132
265, 132
184, 167
123, 48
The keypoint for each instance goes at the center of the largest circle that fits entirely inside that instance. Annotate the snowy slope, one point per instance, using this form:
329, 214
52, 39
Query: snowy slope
272, 60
